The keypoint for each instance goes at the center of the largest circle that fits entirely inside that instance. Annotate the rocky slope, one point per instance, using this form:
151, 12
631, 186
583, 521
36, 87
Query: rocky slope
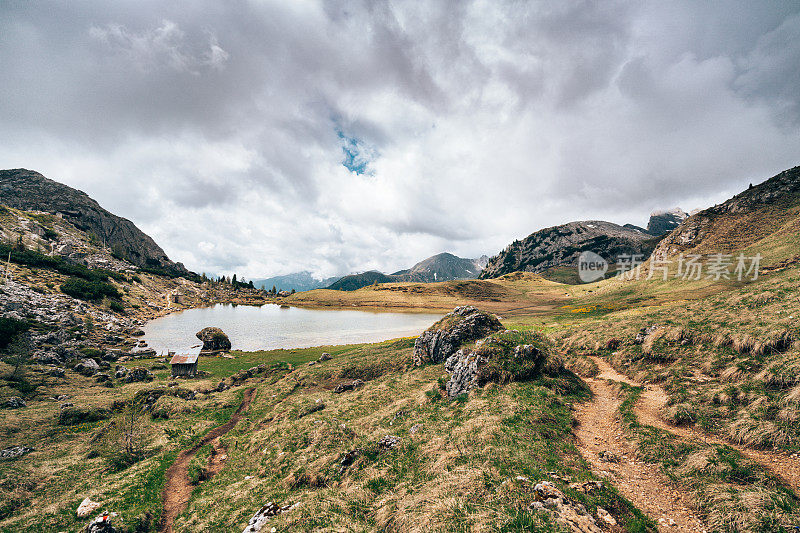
30, 191
440, 267
561, 245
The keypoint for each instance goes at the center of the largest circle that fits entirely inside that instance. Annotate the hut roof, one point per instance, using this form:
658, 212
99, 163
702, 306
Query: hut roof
184, 359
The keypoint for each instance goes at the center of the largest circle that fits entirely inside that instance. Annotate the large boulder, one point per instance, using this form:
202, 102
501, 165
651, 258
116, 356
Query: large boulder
501, 358
214, 340
87, 367
464, 324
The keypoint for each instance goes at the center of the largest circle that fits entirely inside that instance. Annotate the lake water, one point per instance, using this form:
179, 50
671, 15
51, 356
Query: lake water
270, 326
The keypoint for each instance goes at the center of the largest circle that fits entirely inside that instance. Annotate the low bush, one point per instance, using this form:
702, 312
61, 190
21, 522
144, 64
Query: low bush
89, 290
71, 416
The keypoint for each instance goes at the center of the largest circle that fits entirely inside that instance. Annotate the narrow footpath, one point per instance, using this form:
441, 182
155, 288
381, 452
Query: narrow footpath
653, 398
177, 488
599, 434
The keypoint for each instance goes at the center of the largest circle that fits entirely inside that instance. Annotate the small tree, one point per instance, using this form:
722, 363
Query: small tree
126, 441
20, 348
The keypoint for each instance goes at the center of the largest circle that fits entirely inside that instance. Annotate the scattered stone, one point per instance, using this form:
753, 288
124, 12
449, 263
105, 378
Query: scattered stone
325, 357
62, 397
67, 404
56, 372
102, 377
263, 515
311, 363
415, 428
587, 487
608, 457
344, 387
14, 452
138, 374
643, 333
15, 402
86, 507
606, 517
214, 341
445, 337
573, 515
87, 367
388, 442
120, 371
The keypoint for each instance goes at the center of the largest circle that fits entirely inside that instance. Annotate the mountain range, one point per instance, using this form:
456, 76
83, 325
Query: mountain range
440, 267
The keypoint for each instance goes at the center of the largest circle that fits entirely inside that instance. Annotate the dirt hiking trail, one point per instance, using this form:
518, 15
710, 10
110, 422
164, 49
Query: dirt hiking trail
600, 433
177, 488
653, 398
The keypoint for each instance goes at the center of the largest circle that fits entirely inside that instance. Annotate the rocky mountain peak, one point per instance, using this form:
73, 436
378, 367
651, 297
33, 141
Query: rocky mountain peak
28, 190
664, 221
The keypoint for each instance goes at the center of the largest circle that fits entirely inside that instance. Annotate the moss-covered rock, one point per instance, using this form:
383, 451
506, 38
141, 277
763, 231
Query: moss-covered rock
502, 357
462, 325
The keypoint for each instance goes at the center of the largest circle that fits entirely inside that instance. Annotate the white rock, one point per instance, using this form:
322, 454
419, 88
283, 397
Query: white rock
606, 517
86, 507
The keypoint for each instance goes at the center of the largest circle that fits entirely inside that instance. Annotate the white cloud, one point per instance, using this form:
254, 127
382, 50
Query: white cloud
215, 127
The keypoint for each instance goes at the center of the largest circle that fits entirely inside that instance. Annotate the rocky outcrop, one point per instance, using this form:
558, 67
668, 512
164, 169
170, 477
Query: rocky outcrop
548, 498
30, 191
502, 357
263, 515
214, 341
15, 402
562, 245
444, 338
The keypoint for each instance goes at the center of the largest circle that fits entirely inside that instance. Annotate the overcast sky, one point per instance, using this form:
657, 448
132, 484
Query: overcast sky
263, 137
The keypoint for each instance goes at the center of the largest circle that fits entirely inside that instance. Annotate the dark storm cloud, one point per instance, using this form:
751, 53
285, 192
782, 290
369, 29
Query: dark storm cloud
331, 136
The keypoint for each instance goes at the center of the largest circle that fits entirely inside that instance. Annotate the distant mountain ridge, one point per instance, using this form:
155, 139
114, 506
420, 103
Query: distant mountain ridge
440, 267
298, 281
30, 191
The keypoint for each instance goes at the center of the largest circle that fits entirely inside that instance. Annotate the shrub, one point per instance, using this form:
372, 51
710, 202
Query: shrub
9, 328
89, 290
116, 306
71, 416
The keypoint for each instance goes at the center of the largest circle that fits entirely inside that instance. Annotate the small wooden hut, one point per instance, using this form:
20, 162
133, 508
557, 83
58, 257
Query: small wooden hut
184, 365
